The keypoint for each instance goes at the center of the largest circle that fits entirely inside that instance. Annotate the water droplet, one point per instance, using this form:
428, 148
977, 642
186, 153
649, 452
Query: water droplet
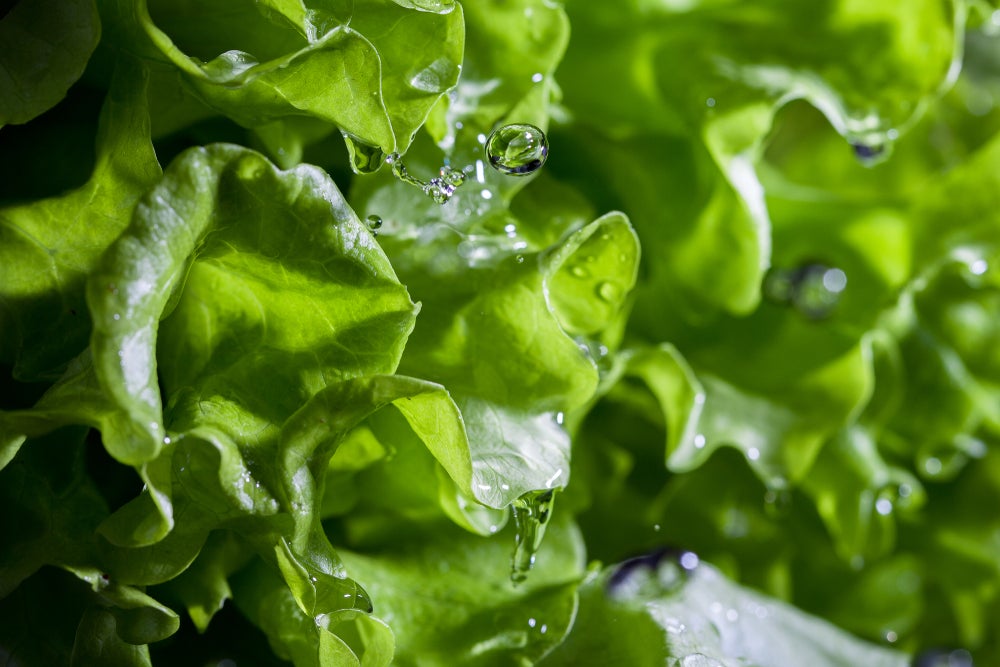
560, 417
579, 271
699, 441
933, 465
609, 292
689, 560
777, 502
710, 102
699, 660
937, 657
866, 152
531, 622
374, 223
674, 626
732, 615
753, 453
532, 512
890, 636
813, 289
978, 267
519, 259
116, 316
436, 77
452, 177
365, 158
518, 149
651, 575
883, 506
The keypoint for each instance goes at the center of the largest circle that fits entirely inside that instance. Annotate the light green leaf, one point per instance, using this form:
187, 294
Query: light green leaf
261, 65
449, 600
646, 611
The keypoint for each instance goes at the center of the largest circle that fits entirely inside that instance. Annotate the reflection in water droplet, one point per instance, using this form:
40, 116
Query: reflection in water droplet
579, 271
365, 158
518, 149
374, 223
813, 289
532, 512
609, 292
890, 636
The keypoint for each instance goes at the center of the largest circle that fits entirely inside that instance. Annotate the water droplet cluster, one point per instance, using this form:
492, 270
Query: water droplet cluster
441, 188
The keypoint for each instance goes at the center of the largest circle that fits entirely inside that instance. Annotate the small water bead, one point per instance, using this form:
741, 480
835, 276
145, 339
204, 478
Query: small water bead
374, 223
518, 149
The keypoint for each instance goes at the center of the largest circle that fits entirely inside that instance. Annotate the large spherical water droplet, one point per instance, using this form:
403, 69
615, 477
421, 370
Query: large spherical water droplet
518, 149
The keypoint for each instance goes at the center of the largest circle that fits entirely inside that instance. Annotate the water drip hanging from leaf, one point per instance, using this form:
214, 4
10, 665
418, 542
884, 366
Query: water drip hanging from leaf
532, 512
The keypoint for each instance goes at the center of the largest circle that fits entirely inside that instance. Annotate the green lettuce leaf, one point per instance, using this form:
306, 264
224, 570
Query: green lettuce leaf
49, 247
259, 65
649, 613
54, 42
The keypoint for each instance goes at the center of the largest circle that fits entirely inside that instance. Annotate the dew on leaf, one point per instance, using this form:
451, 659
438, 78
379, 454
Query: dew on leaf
374, 223
518, 149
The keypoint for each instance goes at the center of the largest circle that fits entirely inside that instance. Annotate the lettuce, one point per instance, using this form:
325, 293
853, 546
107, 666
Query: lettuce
716, 386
